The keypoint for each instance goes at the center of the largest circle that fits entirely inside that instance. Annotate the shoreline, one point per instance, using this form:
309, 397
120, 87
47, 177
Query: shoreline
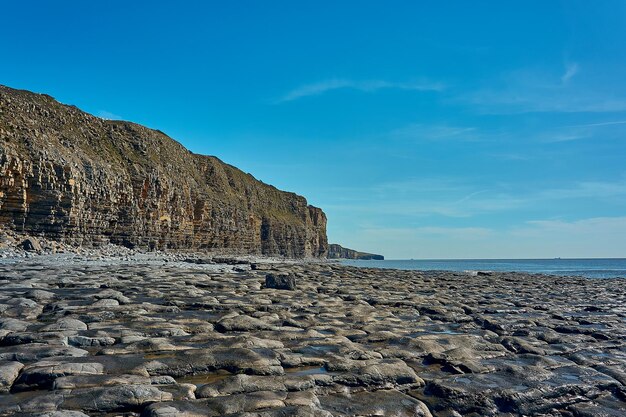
236, 263
599, 268
178, 338
114, 254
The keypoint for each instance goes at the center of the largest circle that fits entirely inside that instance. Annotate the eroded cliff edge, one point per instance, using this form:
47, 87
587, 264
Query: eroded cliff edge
76, 178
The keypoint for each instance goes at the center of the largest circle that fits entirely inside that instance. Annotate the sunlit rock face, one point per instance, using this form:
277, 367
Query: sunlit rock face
80, 179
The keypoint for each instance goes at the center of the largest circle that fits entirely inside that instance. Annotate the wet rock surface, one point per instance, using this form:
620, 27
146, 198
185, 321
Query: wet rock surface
199, 339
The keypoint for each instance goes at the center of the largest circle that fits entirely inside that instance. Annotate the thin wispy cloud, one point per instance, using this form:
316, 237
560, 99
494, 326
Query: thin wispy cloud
535, 91
562, 137
510, 156
494, 200
440, 133
511, 101
466, 233
582, 225
571, 70
570, 133
368, 86
461, 199
587, 189
430, 185
610, 230
470, 196
103, 114
601, 124
434, 132
533, 238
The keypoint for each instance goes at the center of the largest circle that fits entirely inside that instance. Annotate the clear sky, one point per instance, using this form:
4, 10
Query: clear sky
457, 129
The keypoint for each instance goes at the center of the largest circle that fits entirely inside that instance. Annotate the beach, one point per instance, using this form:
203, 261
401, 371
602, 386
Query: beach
313, 209
178, 335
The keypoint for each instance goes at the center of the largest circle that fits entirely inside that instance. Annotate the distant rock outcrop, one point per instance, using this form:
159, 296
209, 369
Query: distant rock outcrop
69, 176
339, 252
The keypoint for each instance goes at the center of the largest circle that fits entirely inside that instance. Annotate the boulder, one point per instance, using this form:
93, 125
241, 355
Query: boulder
31, 244
65, 323
280, 282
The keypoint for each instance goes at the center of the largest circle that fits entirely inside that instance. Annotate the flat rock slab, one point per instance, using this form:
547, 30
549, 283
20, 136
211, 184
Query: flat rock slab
382, 403
9, 371
189, 339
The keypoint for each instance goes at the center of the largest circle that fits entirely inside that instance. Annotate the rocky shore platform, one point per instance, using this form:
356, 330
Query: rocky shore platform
176, 336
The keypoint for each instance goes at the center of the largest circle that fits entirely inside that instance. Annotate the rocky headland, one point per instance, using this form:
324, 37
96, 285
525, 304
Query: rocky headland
81, 180
336, 251
164, 335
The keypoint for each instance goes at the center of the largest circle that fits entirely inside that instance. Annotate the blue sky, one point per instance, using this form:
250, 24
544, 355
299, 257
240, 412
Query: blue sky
481, 129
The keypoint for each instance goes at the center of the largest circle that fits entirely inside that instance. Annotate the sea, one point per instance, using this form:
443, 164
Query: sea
589, 268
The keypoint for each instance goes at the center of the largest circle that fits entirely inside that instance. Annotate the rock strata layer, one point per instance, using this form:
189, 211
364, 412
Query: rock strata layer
69, 176
184, 339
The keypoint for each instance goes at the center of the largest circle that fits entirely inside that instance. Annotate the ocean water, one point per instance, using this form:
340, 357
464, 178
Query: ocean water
590, 268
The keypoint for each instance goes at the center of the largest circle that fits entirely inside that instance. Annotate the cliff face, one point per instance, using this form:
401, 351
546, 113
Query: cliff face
339, 252
76, 178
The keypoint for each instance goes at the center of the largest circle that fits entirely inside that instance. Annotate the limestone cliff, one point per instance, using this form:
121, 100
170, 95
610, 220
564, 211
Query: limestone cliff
76, 178
339, 252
